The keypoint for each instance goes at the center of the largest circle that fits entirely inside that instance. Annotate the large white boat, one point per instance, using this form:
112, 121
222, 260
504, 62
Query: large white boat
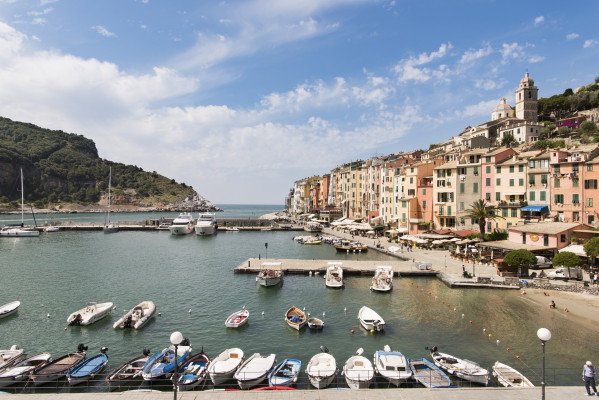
334, 276
383, 279
182, 225
137, 317
223, 367
370, 319
392, 365
322, 369
463, 369
91, 313
358, 371
206, 224
270, 275
20, 230
254, 370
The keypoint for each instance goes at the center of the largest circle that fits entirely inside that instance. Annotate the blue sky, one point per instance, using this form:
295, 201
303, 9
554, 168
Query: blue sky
241, 98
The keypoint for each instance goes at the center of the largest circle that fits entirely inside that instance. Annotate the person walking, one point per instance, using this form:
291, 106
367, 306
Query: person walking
588, 376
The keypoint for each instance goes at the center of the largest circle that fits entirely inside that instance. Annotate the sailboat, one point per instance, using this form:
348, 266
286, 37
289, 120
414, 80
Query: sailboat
108, 227
20, 230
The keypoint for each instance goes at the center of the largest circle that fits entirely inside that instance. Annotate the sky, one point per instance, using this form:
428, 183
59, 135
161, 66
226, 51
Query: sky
241, 98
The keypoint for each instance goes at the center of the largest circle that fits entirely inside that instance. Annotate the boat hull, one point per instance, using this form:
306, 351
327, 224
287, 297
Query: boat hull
223, 367
254, 370
285, 373
9, 309
137, 317
321, 370
370, 320
205, 230
128, 371
89, 315
20, 371
395, 360
19, 233
510, 377
295, 318
179, 230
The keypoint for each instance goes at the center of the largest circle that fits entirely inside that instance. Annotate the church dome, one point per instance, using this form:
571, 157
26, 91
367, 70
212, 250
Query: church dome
527, 81
502, 110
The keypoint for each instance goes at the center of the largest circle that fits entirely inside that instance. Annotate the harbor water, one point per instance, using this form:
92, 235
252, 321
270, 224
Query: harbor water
191, 280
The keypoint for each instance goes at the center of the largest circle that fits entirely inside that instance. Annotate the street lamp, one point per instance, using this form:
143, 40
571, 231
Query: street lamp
544, 334
176, 339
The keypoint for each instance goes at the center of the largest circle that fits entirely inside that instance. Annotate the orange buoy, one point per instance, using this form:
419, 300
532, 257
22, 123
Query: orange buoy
470, 321
352, 331
518, 357
508, 349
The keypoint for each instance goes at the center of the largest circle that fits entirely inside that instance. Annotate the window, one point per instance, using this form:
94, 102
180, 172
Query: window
461, 205
488, 196
511, 169
411, 180
504, 212
575, 198
558, 199
590, 184
562, 238
462, 187
544, 179
488, 169
557, 169
556, 183
498, 181
542, 196
531, 179
448, 210
497, 196
589, 202
589, 167
487, 181
514, 212
475, 170
424, 204
511, 182
489, 226
498, 170
475, 187
403, 204
531, 196
575, 216
575, 167
488, 159
520, 168
521, 182
575, 182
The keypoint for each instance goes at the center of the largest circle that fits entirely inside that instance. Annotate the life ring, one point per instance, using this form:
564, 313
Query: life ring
388, 280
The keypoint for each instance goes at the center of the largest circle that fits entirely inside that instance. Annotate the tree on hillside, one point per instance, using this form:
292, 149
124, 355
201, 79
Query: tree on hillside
567, 259
482, 212
588, 128
508, 139
591, 247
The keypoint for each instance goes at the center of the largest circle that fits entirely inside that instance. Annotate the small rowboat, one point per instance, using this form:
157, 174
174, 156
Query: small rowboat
128, 371
222, 368
58, 368
463, 369
20, 370
254, 370
9, 357
358, 371
285, 373
295, 318
428, 374
509, 377
322, 369
87, 369
238, 318
315, 323
9, 309
193, 372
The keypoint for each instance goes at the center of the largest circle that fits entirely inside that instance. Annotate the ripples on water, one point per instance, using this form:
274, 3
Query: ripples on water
58, 273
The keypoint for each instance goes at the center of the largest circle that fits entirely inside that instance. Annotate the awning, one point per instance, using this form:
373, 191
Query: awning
378, 227
541, 209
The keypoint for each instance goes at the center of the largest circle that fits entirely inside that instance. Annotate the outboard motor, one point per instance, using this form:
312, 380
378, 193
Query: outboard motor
76, 321
185, 342
145, 352
81, 348
324, 349
127, 322
104, 350
434, 349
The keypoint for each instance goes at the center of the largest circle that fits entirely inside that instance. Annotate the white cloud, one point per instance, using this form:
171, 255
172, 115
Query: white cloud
38, 13
482, 108
572, 36
539, 20
535, 59
488, 84
103, 31
473, 54
410, 69
590, 43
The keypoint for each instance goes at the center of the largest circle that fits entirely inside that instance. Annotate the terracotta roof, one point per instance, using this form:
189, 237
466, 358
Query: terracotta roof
551, 228
507, 245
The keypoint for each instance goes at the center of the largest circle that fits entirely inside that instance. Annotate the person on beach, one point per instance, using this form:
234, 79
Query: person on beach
588, 376
552, 304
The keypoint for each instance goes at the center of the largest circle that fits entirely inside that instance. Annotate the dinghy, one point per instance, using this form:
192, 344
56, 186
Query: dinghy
285, 373
9, 308
463, 369
20, 371
370, 320
193, 372
392, 365
358, 371
509, 377
428, 374
238, 318
383, 279
88, 369
322, 369
137, 317
162, 364
58, 368
8, 357
295, 318
128, 371
91, 313
315, 323
223, 367
334, 275
254, 370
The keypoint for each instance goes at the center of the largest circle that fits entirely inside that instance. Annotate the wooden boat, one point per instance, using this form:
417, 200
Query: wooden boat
19, 371
128, 371
382, 281
162, 364
193, 372
358, 371
392, 365
88, 369
285, 373
509, 377
58, 368
10, 356
315, 323
238, 318
370, 319
313, 242
137, 317
428, 374
223, 367
270, 275
321, 369
9, 308
463, 369
91, 313
254, 370
334, 275
295, 318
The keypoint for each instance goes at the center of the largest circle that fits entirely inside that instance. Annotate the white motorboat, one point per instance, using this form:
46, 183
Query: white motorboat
137, 317
162, 364
232, 229
463, 369
206, 224
254, 370
51, 228
270, 275
91, 313
9, 308
334, 275
509, 377
108, 226
370, 319
322, 369
182, 225
20, 230
20, 370
7, 357
392, 365
358, 371
223, 367
383, 279
238, 318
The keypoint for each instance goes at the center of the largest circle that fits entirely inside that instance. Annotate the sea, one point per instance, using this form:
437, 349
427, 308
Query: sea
192, 283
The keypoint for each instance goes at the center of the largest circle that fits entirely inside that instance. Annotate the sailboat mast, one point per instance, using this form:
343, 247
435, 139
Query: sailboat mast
22, 201
109, 195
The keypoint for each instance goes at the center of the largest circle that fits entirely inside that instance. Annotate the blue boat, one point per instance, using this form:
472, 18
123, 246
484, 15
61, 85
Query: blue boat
87, 369
285, 373
193, 371
428, 374
162, 364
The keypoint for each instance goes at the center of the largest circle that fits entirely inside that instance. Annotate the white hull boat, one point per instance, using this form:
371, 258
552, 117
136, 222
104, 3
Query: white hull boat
392, 365
92, 312
383, 279
237, 319
509, 377
182, 225
334, 276
108, 226
358, 371
162, 364
193, 372
20, 231
20, 371
9, 308
137, 317
370, 319
322, 369
254, 370
206, 224
463, 369
223, 367
270, 275
8, 357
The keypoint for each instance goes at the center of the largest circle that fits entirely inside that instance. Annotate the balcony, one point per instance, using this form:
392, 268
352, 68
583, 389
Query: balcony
511, 204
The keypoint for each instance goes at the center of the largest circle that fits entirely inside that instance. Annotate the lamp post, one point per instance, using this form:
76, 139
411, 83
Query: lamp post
544, 334
176, 339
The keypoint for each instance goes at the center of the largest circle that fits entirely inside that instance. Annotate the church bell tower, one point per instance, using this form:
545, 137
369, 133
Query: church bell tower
527, 100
